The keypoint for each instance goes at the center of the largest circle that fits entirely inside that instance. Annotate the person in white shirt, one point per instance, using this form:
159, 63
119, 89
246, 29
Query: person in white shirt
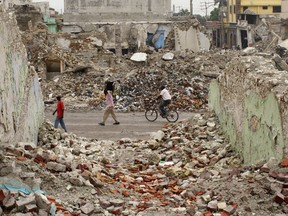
166, 100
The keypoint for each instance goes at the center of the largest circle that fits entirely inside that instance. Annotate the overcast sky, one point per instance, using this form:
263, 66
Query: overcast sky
179, 4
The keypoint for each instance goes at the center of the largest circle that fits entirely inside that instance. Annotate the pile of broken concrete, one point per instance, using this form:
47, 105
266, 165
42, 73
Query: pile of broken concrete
186, 75
184, 169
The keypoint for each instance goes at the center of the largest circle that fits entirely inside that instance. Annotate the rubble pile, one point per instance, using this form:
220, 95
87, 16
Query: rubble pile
185, 22
184, 169
40, 50
83, 87
88, 66
187, 76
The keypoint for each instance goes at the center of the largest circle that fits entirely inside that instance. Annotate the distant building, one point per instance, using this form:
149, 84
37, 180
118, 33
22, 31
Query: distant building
261, 7
242, 15
284, 9
122, 20
116, 10
9, 3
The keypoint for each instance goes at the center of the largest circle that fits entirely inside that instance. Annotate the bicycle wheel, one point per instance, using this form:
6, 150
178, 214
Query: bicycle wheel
172, 116
151, 115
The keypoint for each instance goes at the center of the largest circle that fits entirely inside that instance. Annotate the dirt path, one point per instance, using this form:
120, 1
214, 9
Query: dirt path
133, 125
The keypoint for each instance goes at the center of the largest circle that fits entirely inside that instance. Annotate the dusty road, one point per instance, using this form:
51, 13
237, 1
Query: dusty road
133, 125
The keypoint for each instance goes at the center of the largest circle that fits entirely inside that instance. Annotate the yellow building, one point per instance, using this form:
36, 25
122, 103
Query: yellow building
261, 7
234, 29
232, 11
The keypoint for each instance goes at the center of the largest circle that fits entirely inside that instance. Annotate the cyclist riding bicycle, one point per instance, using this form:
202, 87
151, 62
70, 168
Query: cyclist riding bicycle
166, 100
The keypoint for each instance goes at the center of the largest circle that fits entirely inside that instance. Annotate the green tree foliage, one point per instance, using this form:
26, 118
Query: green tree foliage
214, 15
183, 12
201, 19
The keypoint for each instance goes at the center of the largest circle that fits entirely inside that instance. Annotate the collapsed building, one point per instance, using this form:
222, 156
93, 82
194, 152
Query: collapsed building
130, 25
186, 168
245, 23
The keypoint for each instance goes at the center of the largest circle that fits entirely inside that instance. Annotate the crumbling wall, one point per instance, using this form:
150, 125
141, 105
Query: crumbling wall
126, 35
26, 14
249, 100
115, 10
21, 103
188, 35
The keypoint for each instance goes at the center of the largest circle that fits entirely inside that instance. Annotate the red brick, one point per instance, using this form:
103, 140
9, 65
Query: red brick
284, 162
2, 195
279, 198
273, 174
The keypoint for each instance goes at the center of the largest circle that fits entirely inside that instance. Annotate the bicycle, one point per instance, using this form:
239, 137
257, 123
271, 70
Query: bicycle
151, 114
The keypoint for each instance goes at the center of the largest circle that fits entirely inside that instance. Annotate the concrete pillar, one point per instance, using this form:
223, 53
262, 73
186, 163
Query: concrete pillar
118, 40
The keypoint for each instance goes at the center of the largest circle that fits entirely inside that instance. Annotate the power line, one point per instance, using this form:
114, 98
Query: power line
205, 6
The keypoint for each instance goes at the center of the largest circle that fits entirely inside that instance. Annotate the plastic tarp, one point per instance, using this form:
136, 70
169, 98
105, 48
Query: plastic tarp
160, 41
13, 184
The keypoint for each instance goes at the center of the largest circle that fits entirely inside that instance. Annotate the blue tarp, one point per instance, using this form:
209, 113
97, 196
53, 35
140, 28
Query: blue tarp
16, 184
20, 189
160, 41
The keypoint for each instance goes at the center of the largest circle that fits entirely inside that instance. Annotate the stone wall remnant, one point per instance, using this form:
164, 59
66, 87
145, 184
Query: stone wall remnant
105, 10
21, 102
250, 99
188, 35
27, 15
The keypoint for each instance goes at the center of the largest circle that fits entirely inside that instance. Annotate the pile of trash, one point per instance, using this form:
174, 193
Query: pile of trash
184, 169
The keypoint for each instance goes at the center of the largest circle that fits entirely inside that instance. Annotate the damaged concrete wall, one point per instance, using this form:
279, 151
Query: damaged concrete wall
116, 10
249, 99
21, 103
188, 35
27, 15
10, 3
191, 39
181, 42
131, 35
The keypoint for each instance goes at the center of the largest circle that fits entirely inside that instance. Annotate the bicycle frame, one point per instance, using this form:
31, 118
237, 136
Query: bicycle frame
151, 114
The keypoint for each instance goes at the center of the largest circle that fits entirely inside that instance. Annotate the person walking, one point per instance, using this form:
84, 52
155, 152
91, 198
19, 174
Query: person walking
60, 114
109, 109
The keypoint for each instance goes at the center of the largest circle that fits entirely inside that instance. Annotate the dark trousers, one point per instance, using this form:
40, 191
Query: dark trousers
61, 121
163, 105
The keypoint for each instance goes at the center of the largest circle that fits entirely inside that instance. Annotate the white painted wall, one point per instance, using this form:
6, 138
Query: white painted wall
21, 102
187, 39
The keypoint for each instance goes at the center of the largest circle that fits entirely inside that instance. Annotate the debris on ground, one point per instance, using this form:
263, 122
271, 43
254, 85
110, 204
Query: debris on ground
187, 168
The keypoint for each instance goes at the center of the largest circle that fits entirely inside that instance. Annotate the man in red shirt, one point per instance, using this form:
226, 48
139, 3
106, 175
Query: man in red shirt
60, 114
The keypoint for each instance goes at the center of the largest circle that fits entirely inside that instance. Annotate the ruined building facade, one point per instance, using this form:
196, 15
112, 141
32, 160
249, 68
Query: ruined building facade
126, 23
116, 10
9, 3
241, 17
129, 25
